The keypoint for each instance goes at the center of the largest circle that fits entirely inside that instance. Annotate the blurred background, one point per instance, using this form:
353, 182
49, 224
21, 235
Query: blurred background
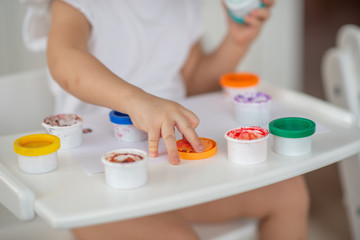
288, 53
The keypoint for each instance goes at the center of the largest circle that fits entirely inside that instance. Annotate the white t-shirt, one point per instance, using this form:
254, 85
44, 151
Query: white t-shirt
144, 42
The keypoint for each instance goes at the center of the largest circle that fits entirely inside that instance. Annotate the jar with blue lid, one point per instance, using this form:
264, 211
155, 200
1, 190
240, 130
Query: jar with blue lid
124, 129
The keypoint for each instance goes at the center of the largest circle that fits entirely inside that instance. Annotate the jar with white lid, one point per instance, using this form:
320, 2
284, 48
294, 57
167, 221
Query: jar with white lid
247, 145
252, 109
68, 127
125, 168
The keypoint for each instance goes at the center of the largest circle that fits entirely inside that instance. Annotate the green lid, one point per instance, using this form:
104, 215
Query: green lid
292, 127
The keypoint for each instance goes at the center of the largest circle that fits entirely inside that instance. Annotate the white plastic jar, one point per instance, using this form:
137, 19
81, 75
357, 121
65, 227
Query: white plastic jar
247, 145
291, 136
238, 83
252, 109
125, 168
68, 127
124, 130
37, 153
238, 9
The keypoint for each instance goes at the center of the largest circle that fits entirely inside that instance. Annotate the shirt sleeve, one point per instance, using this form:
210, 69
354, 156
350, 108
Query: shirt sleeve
197, 25
37, 21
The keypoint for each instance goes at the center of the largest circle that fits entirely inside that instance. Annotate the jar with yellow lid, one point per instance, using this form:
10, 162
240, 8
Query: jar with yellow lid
37, 153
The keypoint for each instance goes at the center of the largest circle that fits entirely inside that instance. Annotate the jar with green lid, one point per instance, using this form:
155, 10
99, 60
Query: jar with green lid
291, 136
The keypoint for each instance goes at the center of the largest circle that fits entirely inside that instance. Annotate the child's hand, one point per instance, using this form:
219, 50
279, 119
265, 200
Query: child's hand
159, 117
244, 34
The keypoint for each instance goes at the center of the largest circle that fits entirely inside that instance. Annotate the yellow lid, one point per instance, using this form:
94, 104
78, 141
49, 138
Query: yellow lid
239, 80
187, 152
37, 144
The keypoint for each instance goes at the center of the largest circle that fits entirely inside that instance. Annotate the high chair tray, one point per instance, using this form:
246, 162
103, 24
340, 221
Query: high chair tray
69, 198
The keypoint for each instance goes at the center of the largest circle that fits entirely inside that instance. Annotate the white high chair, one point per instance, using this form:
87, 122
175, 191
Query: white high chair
24, 101
341, 80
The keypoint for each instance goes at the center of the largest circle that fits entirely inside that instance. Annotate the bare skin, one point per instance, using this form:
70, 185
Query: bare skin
75, 69
282, 208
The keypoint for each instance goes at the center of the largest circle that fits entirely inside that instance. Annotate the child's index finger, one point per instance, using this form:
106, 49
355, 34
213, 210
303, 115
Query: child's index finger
187, 152
200, 147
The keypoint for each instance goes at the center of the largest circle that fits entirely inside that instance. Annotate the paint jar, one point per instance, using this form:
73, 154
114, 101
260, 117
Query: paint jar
239, 83
124, 130
37, 153
125, 168
68, 127
247, 145
252, 109
292, 135
238, 9
187, 152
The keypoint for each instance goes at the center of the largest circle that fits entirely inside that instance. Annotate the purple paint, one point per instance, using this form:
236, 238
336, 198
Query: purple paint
257, 97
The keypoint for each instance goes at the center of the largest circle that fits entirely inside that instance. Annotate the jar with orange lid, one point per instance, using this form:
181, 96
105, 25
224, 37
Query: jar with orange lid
239, 83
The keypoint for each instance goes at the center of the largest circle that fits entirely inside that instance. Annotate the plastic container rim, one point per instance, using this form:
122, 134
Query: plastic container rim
244, 140
37, 151
125, 150
308, 127
239, 80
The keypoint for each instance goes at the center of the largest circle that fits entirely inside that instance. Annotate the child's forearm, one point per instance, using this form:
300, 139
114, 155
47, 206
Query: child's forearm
82, 75
206, 70
210, 67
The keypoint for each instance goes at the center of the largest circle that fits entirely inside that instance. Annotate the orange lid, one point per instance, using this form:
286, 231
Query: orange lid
187, 152
239, 80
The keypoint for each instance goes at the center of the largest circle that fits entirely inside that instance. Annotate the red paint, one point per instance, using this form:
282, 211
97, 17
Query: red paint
130, 158
184, 146
248, 133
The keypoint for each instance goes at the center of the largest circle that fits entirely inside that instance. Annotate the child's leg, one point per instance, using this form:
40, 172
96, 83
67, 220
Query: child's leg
165, 226
282, 209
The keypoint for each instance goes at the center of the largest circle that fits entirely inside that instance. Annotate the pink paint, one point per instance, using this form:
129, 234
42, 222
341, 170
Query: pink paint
248, 133
62, 120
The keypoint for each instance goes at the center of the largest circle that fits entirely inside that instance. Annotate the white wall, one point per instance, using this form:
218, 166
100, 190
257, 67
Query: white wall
276, 55
13, 55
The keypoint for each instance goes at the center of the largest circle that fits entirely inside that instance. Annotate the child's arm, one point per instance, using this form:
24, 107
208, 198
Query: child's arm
82, 75
202, 72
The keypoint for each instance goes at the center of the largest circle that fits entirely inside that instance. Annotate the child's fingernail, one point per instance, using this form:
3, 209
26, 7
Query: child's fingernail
153, 154
175, 160
201, 147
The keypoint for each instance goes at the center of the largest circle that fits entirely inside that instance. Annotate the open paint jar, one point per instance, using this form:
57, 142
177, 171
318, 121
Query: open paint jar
292, 135
124, 130
252, 109
247, 145
125, 168
238, 9
187, 152
37, 153
68, 127
239, 83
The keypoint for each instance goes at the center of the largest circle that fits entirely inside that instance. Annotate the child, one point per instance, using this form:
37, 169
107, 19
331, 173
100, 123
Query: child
134, 56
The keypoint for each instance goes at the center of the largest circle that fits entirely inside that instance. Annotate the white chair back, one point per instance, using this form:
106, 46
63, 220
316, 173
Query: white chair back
341, 80
25, 100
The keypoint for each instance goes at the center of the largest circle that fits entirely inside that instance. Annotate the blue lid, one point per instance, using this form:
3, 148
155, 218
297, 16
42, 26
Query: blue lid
120, 118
